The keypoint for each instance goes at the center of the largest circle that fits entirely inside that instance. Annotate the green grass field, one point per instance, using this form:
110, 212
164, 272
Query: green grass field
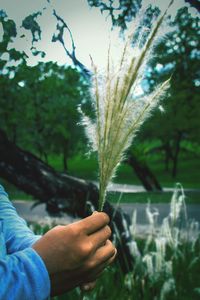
87, 168
153, 197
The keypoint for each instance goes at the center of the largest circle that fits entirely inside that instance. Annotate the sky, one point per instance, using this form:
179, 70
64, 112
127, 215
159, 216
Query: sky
90, 29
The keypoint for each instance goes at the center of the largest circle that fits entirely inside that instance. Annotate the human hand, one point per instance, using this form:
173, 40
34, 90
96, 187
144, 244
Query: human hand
77, 253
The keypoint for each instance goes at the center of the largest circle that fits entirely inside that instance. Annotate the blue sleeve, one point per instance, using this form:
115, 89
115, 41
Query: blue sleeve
23, 274
16, 232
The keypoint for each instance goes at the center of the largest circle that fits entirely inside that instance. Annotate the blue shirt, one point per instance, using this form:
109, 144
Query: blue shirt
23, 274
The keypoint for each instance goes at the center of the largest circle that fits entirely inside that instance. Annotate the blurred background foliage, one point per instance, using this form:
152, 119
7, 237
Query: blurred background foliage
39, 103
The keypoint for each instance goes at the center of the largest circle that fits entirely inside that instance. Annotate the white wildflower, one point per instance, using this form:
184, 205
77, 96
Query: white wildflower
168, 268
128, 281
152, 217
160, 254
134, 249
177, 204
161, 245
168, 286
149, 263
166, 231
133, 227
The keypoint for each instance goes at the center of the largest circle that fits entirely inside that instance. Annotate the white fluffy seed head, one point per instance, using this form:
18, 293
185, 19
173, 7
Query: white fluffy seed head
119, 114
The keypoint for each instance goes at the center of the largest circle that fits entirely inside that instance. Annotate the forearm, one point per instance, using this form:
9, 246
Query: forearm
16, 232
23, 275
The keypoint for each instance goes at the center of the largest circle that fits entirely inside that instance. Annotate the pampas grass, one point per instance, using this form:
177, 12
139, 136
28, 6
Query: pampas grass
165, 264
119, 114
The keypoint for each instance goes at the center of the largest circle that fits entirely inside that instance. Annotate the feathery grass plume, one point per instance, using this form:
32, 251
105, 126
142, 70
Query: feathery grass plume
119, 114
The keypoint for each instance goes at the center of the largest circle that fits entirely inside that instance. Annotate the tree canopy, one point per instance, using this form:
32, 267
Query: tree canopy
177, 56
47, 95
39, 103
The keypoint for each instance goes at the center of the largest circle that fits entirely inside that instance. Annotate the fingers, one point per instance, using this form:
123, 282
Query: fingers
97, 271
94, 222
86, 275
94, 274
103, 256
107, 253
99, 238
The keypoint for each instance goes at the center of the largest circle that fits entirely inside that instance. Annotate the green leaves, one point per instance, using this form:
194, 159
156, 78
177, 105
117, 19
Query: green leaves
177, 53
39, 108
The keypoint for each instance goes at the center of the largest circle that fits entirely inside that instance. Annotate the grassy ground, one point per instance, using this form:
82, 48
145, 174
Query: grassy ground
13, 192
153, 197
188, 170
84, 167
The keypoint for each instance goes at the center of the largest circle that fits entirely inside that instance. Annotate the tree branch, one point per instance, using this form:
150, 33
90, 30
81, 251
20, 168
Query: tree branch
60, 192
72, 54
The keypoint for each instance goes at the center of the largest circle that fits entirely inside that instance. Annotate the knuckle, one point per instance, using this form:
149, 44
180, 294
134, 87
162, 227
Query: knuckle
112, 248
106, 217
111, 260
58, 228
72, 230
114, 251
108, 231
86, 249
103, 217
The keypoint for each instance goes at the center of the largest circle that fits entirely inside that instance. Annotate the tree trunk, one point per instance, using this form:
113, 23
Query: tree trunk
45, 157
60, 192
176, 154
143, 172
65, 164
168, 154
167, 160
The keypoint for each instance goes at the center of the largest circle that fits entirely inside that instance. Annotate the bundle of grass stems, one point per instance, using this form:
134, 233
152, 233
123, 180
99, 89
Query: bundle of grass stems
119, 114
